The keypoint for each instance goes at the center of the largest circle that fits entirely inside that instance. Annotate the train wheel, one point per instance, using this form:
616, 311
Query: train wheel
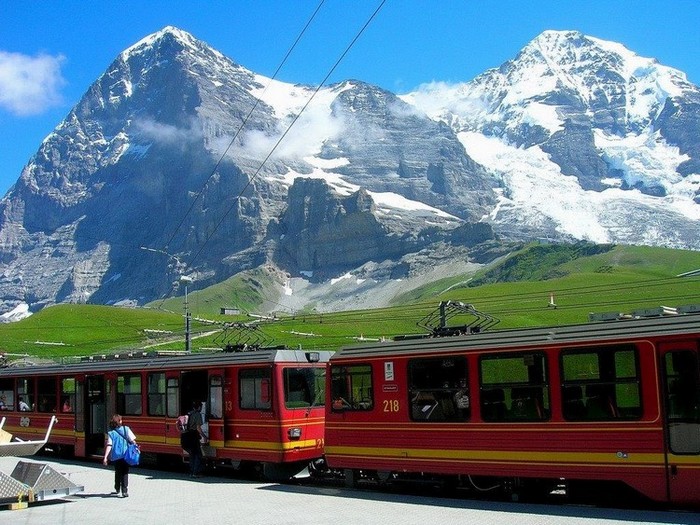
351, 478
533, 489
282, 472
384, 477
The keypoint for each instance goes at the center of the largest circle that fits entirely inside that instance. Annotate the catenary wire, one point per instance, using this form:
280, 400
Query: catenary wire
245, 121
294, 120
410, 311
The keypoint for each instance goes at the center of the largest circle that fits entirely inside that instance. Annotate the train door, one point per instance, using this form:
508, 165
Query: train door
193, 387
78, 401
230, 400
682, 400
215, 409
95, 414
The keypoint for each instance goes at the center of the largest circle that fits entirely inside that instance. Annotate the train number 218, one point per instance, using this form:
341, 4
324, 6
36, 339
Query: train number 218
391, 405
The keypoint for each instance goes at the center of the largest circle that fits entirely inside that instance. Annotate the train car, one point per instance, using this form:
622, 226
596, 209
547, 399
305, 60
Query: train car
601, 407
262, 407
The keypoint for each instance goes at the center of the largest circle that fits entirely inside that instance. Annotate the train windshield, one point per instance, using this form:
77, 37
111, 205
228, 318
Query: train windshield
304, 387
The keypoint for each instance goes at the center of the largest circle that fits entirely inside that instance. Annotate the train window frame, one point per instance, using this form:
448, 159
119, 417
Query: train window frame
172, 394
438, 389
46, 393
303, 387
68, 393
7, 393
255, 388
25, 392
681, 368
128, 399
216, 397
156, 392
600, 385
352, 397
512, 398
79, 403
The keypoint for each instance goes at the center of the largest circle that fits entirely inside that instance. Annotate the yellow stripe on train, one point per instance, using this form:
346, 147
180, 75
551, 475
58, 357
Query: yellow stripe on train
275, 446
496, 456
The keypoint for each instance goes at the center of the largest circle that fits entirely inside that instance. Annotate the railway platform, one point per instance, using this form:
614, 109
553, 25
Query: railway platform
172, 497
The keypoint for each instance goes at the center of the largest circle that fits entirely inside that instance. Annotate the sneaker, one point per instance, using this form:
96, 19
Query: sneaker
125, 494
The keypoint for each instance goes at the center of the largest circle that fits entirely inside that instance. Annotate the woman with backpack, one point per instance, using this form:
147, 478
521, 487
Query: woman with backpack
193, 438
117, 441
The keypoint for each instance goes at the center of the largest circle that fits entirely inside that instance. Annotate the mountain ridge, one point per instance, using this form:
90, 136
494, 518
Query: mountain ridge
155, 155
615, 132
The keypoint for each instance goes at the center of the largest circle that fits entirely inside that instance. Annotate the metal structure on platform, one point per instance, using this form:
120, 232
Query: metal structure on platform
31, 481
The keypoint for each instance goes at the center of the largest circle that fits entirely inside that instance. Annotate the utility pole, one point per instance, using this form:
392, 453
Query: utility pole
183, 279
186, 280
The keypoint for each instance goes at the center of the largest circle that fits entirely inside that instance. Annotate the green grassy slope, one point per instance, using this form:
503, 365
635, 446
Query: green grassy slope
70, 329
245, 291
581, 279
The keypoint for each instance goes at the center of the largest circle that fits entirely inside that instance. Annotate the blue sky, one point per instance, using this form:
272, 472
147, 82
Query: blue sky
52, 51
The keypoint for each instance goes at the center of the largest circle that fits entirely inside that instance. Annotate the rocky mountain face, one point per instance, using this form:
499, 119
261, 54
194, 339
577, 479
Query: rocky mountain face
597, 142
178, 161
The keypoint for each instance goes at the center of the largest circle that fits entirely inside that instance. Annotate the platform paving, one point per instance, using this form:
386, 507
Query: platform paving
166, 497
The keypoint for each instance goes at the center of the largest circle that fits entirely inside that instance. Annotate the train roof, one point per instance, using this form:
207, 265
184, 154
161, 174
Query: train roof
137, 361
581, 334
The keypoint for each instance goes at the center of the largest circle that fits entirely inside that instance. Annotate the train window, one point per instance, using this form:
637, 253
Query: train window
46, 388
304, 387
129, 395
255, 388
173, 395
351, 387
438, 389
7, 394
156, 394
601, 383
514, 387
68, 394
216, 397
683, 401
25, 395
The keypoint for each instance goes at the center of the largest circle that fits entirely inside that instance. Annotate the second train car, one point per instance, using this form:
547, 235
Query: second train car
592, 407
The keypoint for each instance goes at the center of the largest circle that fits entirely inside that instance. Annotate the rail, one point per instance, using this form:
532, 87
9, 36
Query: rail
20, 447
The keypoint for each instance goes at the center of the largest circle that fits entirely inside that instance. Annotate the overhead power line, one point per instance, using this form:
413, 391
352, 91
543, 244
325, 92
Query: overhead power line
245, 121
294, 120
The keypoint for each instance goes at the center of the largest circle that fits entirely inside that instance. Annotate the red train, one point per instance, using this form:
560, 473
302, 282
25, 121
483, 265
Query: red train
262, 408
589, 407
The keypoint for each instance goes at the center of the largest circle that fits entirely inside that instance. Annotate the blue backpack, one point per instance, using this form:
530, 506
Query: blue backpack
119, 444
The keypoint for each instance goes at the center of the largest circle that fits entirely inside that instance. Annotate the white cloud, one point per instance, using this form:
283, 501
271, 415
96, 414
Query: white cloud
315, 126
30, 85
162, 133
438, 98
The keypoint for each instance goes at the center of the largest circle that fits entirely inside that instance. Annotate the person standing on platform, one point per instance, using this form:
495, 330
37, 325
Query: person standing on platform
117, 441
194, 438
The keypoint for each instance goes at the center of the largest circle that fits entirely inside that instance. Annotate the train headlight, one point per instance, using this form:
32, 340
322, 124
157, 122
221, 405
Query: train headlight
294, 433
313, 357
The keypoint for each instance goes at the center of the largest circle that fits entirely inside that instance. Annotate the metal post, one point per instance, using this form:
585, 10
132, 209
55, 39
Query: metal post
187, 321
180, 266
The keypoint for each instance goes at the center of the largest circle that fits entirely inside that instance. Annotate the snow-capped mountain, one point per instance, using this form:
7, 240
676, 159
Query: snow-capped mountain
178, 161
588, 139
